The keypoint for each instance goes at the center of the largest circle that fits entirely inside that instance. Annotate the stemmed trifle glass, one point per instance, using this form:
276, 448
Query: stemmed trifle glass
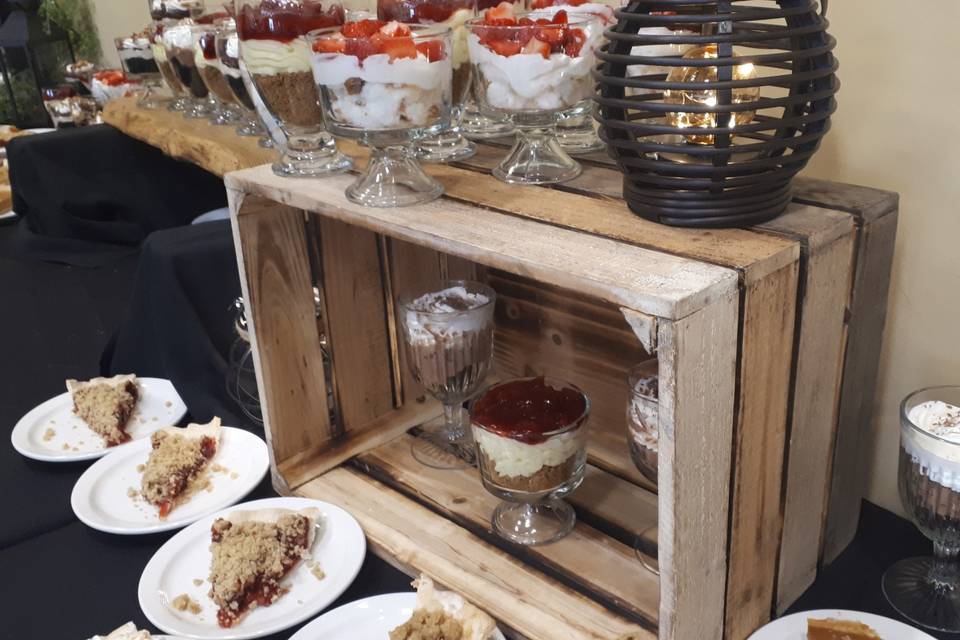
181, 100
449, 145
228, 53
388, 85
531, 441
275, 53
137, 60
178, 46
643, 433
532, 67
449, 338
211, 71
927, 590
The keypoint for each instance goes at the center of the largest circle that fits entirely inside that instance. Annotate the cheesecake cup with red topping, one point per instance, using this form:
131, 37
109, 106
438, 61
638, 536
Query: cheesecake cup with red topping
531, 67
208, 65
387, 84
275, 53
531, 439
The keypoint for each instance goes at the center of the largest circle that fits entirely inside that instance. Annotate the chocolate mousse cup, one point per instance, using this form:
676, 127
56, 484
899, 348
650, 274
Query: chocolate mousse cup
531, 439
926, 590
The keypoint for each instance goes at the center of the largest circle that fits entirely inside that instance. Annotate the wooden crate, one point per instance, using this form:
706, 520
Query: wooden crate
809, 283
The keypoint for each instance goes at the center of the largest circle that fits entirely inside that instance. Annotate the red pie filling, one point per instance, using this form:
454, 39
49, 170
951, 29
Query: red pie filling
525, 410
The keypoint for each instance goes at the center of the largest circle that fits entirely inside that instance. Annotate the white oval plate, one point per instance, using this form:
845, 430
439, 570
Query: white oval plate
794, 626
74, 441
369, 619
339, 548
100, 497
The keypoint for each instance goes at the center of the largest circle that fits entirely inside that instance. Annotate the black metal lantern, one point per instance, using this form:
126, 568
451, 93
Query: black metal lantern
711, 107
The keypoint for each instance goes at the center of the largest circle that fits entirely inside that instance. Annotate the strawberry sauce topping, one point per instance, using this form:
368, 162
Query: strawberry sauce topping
280, 20
365, 38
525, 410
506, 35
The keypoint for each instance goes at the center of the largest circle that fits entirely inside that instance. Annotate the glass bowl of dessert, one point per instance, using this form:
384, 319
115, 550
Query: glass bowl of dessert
531, 440
531, 67
220, 96
926, 590
448, 332
177, 41
111, 84
449, 145
643, 418
388, 85
181, 99
136, 59
227, 46
476, 125
174, 9
275, 53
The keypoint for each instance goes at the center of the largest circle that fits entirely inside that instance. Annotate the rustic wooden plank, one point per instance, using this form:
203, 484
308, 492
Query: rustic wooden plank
357, 322
644, 280
698, 358
867, 203
219, 150
586, 558
875, 246
766, 356
307, 465
278, 287
825, 293
413, 536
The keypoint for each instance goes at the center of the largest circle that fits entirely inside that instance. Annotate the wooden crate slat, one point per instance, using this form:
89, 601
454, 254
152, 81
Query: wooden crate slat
587, 559
278, 288
634, 277
399, 528
698, 357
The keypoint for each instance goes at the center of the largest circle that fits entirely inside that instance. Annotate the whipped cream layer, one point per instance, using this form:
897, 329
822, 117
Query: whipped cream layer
530, 82
179, 35
271, 57
939, 459
518, 459
643, 421
159, 53
138, 42
446, 321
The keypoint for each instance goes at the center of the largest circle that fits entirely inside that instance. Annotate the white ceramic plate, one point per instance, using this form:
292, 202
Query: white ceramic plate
100, 498
71, 440
794, 626
339, 548
368, 619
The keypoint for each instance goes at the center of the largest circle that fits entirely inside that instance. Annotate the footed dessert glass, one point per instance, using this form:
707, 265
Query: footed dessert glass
208, 65
926, 591
475, 125
180, 101
449, 145
137, 60
449, 338
174, 9
531, 446
228, 53
388, 85
275, 55
532, 68
643, 431
178, 48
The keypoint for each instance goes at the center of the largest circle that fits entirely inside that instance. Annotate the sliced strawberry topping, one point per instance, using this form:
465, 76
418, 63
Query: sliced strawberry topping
537, 46
398, 48
395, 29
360, 47
432, 49
362, 28
504, 47
553, 36
560, 17
426, 12
503, 11
330, 45
164, 508
574, 43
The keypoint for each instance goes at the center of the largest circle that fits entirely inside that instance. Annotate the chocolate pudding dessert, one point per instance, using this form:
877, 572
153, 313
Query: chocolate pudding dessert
449, 340
530, 437
136, 55
930, 468
163, 64
175, 9
643, 418
228, 50
178, 42
277, 56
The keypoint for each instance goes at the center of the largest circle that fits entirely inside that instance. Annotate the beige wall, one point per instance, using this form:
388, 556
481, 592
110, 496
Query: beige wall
898, 111
898, 108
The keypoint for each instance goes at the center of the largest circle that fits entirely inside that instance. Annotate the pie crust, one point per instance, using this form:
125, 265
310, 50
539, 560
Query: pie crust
177, 464
252, 553
106, 404
443, 615
834, 629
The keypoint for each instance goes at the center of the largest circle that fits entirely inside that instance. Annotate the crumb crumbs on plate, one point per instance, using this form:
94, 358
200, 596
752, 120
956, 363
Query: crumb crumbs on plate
141, 467
218, 468
315, 569
49, 434
234, 475
183, 602
66, 447
197, 582
168, 403
132, 493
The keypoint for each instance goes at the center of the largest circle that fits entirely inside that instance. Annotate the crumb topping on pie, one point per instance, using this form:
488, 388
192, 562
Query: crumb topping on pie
834, 629
177, 463
252, 552
443, 615
106, 405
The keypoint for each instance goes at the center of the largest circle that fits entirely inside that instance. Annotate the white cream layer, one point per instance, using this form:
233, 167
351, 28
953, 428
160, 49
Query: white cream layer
270, 57
530, 82
159, 53
939, 460
514, 458
179, 36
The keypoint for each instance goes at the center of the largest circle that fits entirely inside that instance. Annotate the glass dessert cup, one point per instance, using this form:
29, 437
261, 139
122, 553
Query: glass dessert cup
387, 85
531, 442
926, 591
180, 101
178, 48
449, 344
137, 60
227, 47
449, 145
532, 72
175, 9
210, 69
643, 433
275, 54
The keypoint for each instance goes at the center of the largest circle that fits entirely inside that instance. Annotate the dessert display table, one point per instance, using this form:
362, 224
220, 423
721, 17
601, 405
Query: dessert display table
767, 341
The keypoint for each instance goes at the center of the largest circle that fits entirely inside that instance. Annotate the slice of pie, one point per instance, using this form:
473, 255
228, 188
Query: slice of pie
126, 632
252, 553
443, 615
834, 629
178, 463
106, 405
